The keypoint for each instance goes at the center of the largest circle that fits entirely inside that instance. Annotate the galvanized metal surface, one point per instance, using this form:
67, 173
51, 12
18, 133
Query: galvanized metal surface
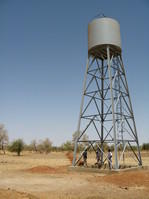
101, 32
106, 109
79, 121
112, 116
112, 103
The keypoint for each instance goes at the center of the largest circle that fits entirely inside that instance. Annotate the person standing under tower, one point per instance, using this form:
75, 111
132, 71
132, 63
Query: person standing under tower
110, 159
98, 155
85, 157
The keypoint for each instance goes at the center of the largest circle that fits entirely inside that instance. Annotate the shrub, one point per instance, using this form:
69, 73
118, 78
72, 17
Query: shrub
145, 146
43, 146
47, 145
32, 146
67, 146
17, 146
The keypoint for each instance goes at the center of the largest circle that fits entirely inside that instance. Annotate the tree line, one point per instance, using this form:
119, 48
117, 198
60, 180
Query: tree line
46, 146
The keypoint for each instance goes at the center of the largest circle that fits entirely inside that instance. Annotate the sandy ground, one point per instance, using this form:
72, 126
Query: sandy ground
41, 176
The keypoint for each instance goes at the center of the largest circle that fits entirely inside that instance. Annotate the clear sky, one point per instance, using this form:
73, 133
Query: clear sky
43, 52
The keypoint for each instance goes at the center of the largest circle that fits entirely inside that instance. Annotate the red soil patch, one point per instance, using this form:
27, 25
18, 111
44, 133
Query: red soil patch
47, 169
128, 179
70, 156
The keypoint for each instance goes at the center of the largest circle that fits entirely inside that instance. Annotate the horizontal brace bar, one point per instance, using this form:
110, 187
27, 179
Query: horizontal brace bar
91, 115
111, 141
97, 97
93, 97
91, 119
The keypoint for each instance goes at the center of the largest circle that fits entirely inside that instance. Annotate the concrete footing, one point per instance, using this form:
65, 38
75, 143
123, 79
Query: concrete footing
104, 171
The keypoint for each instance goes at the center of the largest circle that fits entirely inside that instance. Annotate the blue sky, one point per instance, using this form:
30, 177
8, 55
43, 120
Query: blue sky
43, 52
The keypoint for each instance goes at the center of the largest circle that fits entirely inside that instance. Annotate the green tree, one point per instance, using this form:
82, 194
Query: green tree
67, 146
17, 146
145, 146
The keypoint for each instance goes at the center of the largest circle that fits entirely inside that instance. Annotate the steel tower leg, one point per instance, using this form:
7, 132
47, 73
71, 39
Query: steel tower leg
135, 129
81, 108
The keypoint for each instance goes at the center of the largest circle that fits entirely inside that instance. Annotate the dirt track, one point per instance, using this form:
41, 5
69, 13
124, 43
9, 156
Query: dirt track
35, 176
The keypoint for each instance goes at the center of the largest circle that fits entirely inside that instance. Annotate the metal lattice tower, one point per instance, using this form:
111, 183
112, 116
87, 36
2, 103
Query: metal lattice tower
106, 113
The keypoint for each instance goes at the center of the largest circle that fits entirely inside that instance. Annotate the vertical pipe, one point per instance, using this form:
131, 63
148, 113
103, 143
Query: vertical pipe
81, 108
121, 112
102, 106
112, 101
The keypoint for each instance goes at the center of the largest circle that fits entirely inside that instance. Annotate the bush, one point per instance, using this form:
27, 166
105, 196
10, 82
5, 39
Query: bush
47, 145
17, 146
145, 146
32, 146
44, 146
67, 146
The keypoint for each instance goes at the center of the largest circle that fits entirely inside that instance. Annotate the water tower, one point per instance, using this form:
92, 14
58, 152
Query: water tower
106, 114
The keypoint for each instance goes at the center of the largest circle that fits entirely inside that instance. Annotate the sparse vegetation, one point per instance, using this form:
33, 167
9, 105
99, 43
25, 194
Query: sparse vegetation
3, 138
67, 146
46, 145
40, 146
145, 146
33, 146
56, 163
17, 146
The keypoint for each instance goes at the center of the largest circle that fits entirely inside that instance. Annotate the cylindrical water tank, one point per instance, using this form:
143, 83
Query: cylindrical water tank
102, 32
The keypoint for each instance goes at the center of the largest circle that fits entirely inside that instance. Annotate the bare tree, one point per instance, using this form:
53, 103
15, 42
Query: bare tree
3, 138
44, 146
84, 139
75, 135
33, 145
47, 145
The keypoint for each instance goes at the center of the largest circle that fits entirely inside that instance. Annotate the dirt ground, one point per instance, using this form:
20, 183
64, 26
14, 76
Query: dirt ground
42, 176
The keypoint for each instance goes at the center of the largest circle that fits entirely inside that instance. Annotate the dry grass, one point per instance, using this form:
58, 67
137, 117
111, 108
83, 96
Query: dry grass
28, 160
42, 176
